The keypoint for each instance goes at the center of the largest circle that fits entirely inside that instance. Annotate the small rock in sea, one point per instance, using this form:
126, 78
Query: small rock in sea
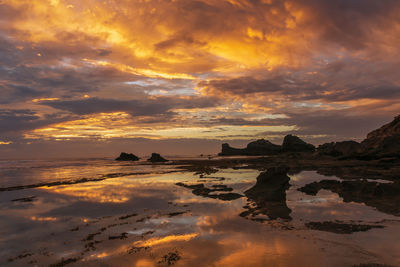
127, 157
156, 158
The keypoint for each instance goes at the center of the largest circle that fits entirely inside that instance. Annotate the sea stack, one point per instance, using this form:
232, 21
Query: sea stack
292, 143
127, 157
156, 158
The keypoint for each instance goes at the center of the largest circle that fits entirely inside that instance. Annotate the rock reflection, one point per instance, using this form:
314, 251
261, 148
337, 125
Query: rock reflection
268, 195
382, 196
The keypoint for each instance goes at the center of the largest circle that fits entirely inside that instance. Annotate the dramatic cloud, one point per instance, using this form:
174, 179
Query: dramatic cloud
213, 69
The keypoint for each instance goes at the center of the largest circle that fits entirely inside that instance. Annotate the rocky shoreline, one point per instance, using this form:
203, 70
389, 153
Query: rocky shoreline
381, 143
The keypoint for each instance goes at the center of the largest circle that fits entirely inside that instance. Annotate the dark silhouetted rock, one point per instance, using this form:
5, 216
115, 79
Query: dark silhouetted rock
157, 158
376, 138
383, 142
256, 148
227, 150
337, 149
292, 143
127, 157
262, 147
269, 195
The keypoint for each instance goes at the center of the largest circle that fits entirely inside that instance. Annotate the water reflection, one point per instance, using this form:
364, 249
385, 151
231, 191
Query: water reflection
148, 220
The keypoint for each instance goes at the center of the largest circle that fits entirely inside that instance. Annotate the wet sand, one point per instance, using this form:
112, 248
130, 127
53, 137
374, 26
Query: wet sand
197, 212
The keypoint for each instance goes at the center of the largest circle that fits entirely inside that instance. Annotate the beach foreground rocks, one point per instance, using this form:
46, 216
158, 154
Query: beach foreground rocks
269, 195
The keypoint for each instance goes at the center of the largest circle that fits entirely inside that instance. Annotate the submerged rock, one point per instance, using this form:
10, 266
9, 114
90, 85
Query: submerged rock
170, 259
156, 158
127, 157
340, 228
201, 190
292, 143
269, 195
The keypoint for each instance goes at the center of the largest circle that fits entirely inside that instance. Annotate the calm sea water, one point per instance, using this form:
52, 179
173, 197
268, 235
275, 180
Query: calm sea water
138, 216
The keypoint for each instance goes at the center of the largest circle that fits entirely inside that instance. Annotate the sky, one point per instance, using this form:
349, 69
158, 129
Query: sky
93, 78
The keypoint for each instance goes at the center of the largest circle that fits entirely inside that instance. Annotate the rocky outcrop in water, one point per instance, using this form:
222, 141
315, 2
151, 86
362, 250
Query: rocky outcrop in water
156, 158
337, 149
261, 147
380, 143
256, 148
227, 150
292, 143
127, 157
383, 142
268, 195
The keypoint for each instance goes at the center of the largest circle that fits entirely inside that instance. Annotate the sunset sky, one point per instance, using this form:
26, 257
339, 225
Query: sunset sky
94, 78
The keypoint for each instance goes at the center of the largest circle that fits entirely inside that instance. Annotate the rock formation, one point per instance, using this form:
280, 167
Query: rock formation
127, 157
156, 158
269, 195
227, 150
263, 147
256, 148
337, 149
292, 143
383, 142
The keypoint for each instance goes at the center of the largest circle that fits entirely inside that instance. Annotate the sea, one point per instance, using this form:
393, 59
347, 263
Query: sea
102, 212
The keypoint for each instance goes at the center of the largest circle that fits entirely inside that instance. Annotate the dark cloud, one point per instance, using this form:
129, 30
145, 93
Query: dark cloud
14, 122
97, 105
350, 23
140, 107
343, 80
